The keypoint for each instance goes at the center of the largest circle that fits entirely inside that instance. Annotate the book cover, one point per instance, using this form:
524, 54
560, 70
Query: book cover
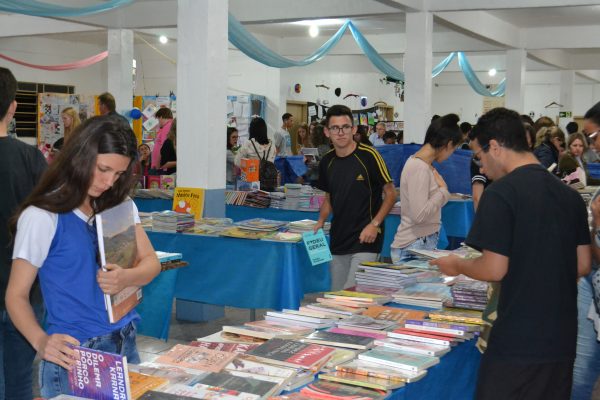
393, 313
200, 391
153, 182
321, 389
300, 317
99, 375
165, 257
292, 353
356, 296
189, 200
356, 332
227, 381
253, 331
317, 247
117, 245
238, 348
367, 322
361, 380
413, 347
425, 326
169, 372
140, 383
275, 327
421, 337
198, 358
249, 169
167, 182
367, 368
250, 364
340, 340
399, 359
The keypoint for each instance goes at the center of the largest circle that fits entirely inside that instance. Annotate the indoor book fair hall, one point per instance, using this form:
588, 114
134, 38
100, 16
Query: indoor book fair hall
273, 199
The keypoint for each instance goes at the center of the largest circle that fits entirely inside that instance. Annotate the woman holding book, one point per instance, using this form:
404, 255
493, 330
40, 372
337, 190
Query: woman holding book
56, 240
423, 191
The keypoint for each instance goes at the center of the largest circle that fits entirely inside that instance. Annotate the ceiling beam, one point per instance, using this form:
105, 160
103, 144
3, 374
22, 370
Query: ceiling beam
483, 25
563, 37
272, 11
23, 25
466, 5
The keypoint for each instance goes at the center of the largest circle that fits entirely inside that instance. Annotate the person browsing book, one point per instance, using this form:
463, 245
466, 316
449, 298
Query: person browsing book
533, 233
423, 191
21, 167
165, 119
56, 240
354, 177
259, 146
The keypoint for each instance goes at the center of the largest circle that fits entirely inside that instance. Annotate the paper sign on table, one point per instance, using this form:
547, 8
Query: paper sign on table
317, 247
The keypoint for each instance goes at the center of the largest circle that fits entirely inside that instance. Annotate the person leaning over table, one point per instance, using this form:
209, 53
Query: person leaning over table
533, 233
55, 240
423, 191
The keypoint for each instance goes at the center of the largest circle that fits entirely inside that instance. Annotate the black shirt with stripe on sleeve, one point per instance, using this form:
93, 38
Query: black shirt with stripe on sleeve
355, 186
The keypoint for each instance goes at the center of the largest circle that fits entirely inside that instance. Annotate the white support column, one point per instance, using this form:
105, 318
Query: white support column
567, 84
201, 95
515, 77
417, 70
120, 68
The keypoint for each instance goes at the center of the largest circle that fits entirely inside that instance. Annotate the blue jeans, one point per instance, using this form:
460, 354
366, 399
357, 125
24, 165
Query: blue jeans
16, 359
54, 379
587, 361
426, 243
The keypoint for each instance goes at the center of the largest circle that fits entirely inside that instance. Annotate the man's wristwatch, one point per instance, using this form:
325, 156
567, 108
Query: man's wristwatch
375, 223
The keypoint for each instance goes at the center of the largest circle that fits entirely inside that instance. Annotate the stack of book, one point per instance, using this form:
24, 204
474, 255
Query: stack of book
261, 225
257, 199
463, 330
379, 274
432, 295
300, 318
469, 294
172, 221
277, 199
170, 260
235, 197
457, 315
307, 225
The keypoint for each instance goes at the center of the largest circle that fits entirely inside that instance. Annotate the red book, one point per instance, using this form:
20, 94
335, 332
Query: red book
292, 353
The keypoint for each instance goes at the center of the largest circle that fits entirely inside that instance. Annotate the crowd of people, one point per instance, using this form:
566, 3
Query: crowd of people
531, 229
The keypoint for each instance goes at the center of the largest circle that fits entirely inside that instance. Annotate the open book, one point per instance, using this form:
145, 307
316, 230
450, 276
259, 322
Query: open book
117, 245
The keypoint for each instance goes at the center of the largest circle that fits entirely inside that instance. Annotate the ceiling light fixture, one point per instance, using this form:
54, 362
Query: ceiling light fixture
163, 39
492, 72
313, 31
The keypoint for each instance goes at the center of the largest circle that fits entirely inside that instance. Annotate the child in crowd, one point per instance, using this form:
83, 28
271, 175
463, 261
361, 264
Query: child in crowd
56, 241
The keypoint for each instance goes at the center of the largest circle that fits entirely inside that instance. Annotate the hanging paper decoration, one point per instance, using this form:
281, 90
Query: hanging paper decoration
363, 101
297, 88
86, 62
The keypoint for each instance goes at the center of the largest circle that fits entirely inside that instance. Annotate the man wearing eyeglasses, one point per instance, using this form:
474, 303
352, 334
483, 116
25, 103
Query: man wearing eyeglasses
354, 177
591, 129
533, 233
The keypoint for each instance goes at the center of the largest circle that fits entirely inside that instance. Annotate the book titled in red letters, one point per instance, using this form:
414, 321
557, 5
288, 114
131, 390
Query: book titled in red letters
292, 353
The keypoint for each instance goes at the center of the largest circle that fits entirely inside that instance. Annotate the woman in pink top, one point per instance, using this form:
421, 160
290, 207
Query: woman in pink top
423, 191
165, 119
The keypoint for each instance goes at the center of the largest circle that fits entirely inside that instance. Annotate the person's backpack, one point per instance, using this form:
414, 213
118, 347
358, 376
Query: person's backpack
267, 172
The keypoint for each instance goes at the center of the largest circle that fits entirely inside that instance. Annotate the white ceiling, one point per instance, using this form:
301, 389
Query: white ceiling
557, 34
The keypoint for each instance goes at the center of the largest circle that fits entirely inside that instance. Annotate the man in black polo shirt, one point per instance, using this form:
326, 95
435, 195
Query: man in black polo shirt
354, 176
532, 230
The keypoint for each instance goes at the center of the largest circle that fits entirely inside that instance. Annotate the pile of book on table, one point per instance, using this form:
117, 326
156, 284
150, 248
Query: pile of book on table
307, 225
260, 228
345, 344
172, 221
212, 226
297, 197
170, 260
252, 198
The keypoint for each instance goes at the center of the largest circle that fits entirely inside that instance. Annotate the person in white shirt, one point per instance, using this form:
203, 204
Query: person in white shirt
283, 140
377, 137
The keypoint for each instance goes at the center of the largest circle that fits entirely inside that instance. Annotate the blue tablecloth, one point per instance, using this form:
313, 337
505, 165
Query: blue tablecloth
241, 272
157, 304
455, 170
454, 378
594, 170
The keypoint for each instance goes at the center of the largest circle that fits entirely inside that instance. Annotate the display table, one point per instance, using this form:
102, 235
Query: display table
241, 272
157, 305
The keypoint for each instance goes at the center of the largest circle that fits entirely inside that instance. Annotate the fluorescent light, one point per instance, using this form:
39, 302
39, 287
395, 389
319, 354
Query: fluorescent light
313, 31
492, 72
163, 39
320, 22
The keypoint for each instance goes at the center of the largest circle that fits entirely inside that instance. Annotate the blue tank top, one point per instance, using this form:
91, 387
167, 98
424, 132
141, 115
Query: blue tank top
73, 298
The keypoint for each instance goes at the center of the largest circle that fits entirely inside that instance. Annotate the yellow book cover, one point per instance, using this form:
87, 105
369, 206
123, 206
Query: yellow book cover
141, 383
189, 200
